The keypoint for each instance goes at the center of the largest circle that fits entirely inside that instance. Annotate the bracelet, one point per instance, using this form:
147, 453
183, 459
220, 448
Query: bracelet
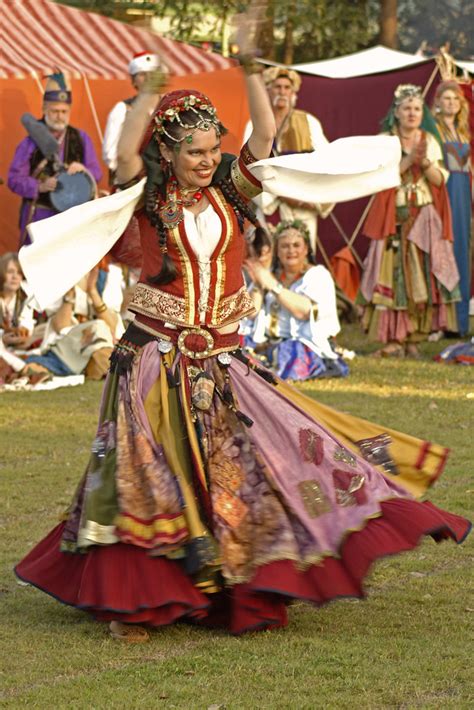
277, 289
249, 64
101, 309
69, 299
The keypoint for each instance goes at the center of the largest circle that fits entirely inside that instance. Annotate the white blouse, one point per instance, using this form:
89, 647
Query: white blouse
203, 231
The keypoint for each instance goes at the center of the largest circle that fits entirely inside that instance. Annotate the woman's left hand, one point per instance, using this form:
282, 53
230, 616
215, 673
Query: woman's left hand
261, 276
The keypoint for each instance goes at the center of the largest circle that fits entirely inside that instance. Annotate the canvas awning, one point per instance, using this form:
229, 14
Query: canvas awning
369, 61
39, 35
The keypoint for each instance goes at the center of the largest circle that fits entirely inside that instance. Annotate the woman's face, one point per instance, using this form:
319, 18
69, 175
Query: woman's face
292, 250
449, 103
409, 113
195, 163
13, 277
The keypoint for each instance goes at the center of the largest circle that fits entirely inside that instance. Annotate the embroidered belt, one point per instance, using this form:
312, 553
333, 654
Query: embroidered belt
196, 343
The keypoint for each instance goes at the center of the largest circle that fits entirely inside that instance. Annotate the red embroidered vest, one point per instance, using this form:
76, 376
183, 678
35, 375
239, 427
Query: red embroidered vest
178, 301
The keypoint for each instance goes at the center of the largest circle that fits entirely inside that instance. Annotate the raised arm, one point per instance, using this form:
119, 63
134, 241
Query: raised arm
261, 115
261, 112
129, 162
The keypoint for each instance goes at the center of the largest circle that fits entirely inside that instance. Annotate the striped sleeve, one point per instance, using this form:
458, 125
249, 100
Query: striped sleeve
244, 182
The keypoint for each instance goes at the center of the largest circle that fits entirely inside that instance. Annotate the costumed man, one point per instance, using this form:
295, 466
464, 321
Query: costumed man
139, 67
297, 132
34, 177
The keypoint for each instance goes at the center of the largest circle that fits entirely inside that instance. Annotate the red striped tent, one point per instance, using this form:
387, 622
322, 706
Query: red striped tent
38, 36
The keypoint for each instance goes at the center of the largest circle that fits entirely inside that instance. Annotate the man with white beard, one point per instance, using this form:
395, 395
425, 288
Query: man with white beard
297, 132
33, 176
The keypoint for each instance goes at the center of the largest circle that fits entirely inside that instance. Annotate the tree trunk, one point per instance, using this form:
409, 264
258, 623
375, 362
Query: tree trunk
288, 43
266, 41
388, 23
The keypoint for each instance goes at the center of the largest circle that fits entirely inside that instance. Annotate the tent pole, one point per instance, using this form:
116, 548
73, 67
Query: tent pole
325, 256
347, 241
430, 80
93, 109
361, 221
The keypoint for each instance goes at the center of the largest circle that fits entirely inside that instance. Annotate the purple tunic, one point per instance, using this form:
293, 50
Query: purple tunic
21, 182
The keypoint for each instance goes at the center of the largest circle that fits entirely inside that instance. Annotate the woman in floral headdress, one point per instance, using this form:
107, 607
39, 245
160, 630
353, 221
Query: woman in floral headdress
410, 282
452, 120
297, 310
211, 494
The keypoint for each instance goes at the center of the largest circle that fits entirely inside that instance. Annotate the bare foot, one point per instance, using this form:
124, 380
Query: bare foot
128, 632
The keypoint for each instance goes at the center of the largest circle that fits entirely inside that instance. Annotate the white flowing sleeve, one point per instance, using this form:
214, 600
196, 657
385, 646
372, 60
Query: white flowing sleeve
113, 129
68, 245
344, 170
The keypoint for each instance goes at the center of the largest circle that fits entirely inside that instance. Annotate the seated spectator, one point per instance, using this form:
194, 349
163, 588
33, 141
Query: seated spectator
296, 309
16, 315
83, 327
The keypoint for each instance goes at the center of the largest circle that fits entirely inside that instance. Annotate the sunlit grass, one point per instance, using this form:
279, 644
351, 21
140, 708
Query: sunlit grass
409, 645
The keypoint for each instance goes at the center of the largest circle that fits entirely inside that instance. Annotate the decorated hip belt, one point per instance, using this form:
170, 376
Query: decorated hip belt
196, 343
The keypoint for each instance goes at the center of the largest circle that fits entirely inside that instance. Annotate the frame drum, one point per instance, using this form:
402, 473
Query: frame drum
72, 190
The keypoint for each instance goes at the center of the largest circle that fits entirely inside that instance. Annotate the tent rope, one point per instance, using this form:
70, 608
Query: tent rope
93, 108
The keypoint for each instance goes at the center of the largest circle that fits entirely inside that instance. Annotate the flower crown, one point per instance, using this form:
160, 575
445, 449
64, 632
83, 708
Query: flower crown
407, 91
178, 106
296, 224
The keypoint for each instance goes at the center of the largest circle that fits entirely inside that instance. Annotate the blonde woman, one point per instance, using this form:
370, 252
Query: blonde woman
452, 118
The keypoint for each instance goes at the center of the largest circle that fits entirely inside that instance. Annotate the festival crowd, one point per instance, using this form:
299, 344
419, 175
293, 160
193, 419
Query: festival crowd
416, 280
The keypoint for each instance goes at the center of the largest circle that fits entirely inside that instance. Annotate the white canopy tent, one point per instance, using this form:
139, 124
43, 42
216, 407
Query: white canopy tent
374, 60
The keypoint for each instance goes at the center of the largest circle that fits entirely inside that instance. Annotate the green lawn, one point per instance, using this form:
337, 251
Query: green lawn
408, 645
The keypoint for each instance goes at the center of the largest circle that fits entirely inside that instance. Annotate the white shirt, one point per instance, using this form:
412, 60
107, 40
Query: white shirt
318, 138
316, 284
113, 129
203, 232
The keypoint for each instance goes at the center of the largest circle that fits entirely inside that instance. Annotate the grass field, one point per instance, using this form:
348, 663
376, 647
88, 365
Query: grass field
408, 645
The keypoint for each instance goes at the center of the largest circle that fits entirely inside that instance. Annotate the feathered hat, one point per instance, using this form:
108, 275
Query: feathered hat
56, 88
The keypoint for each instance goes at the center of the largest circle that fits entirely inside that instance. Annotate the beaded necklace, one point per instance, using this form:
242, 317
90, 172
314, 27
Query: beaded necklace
171, 209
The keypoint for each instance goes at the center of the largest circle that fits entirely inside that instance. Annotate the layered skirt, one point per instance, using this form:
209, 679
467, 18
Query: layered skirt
409, 287
216, 495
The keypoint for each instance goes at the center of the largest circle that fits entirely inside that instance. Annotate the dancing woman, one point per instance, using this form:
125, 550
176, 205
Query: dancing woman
212, 493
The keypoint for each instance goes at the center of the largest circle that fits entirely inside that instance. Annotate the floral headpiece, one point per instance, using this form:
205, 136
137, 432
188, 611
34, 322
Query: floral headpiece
175, 103
406, 91
296, 224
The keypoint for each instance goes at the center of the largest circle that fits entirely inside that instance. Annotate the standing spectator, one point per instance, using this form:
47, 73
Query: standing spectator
297, 132
34, 177
141, 64
452, 112
410, 282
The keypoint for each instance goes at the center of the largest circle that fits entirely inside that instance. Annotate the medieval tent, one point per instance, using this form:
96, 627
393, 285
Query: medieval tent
39, 36
350, 95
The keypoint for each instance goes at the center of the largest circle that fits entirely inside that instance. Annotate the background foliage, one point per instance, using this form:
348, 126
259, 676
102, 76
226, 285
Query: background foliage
308, 30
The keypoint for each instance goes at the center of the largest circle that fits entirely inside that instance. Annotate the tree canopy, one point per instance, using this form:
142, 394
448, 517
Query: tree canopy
309, 30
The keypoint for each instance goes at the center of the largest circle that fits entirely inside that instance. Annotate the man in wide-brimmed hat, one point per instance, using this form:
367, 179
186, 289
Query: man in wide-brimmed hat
297, 132
33, 176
